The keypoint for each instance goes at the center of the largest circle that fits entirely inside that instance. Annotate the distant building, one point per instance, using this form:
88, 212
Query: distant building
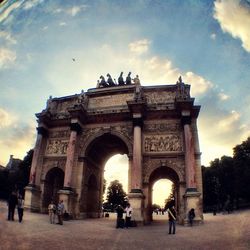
13, 164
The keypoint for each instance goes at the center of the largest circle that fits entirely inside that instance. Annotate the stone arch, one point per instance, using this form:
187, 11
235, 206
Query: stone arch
159, 172
100, 133
153, 164
53, 182
101, 147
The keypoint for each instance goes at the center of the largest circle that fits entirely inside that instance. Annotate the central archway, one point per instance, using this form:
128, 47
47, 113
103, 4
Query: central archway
98, 151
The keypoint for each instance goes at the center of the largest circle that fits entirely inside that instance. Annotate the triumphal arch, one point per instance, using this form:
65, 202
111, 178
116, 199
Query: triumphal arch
155, 126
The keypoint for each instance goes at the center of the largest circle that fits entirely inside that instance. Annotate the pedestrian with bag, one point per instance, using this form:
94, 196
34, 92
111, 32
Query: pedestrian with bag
171, 219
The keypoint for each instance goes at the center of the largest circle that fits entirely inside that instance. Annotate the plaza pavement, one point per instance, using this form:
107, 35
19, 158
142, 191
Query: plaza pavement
223, 232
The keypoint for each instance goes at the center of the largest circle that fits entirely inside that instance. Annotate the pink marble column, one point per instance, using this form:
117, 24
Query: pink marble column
189, 157
70, 156
41, 132
136, 180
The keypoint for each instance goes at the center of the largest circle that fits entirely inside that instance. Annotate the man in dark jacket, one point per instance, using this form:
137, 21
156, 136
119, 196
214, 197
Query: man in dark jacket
171, 219
12, 202
120, 220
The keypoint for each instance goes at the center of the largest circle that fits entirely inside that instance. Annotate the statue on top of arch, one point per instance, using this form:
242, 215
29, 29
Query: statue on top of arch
183, 90
102, 83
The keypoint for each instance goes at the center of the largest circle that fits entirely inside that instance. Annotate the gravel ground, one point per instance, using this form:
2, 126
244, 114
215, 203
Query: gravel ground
35, 232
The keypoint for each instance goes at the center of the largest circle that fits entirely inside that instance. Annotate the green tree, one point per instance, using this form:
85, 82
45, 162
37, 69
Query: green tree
116, 195
242, 171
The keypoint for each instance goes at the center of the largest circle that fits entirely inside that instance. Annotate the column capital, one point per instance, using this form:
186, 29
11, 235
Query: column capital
42, 131
186, 120
75, 127
138, 121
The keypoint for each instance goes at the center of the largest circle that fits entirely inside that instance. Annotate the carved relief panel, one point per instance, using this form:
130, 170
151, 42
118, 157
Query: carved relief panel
162, 137
57, 143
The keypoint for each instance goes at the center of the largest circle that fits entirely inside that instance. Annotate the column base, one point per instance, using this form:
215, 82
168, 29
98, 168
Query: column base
193, 200
136, 201
32, 200
68, 196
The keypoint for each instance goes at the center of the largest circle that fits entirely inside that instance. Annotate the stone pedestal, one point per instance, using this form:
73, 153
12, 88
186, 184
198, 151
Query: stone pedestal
193, 200
32, 198
67, 196
136, 200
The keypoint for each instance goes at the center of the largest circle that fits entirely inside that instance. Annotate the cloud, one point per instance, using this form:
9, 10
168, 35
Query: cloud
62, 24
140, 46
72, 11
7, 37
7, 57
213, 36
6, 119
76, 9
17, 140
234, 18
219, 129
31, 3
223, 96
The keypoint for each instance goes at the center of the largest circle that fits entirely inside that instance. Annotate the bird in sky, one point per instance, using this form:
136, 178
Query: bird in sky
73, 59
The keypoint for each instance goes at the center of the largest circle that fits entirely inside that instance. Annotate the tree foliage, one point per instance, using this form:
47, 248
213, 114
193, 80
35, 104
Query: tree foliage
228, 178
18, 179
116, 195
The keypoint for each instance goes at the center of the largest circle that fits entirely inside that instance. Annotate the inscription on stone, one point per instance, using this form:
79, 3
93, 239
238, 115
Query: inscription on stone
160, 97
162, 143
110, 100
162, 127
57, 147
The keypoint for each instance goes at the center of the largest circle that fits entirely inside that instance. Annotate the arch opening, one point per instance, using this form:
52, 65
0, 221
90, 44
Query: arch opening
52, 184
110, 150
163, 183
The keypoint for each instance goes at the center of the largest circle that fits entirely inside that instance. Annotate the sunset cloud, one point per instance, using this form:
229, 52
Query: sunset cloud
234, 18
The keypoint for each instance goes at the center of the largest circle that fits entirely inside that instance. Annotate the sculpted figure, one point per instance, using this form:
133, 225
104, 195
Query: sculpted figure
128, 78
110, 81
120, 79
103, 82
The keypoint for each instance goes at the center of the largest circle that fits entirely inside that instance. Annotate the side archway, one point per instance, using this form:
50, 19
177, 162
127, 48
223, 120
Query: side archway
52, 184
159, 173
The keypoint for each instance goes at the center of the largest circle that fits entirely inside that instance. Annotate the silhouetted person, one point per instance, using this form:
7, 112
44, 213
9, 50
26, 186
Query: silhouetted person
12, 202
191, 215
171, 219
20, 206
120, 79
128, 79
60, 212
120, 220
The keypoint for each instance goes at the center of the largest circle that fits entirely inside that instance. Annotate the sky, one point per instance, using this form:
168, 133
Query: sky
206, 42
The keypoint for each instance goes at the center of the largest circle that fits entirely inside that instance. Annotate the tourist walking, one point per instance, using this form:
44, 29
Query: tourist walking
20, 206
12, 202
52, 212
171, 219
128, 211
191, 215
60, 211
